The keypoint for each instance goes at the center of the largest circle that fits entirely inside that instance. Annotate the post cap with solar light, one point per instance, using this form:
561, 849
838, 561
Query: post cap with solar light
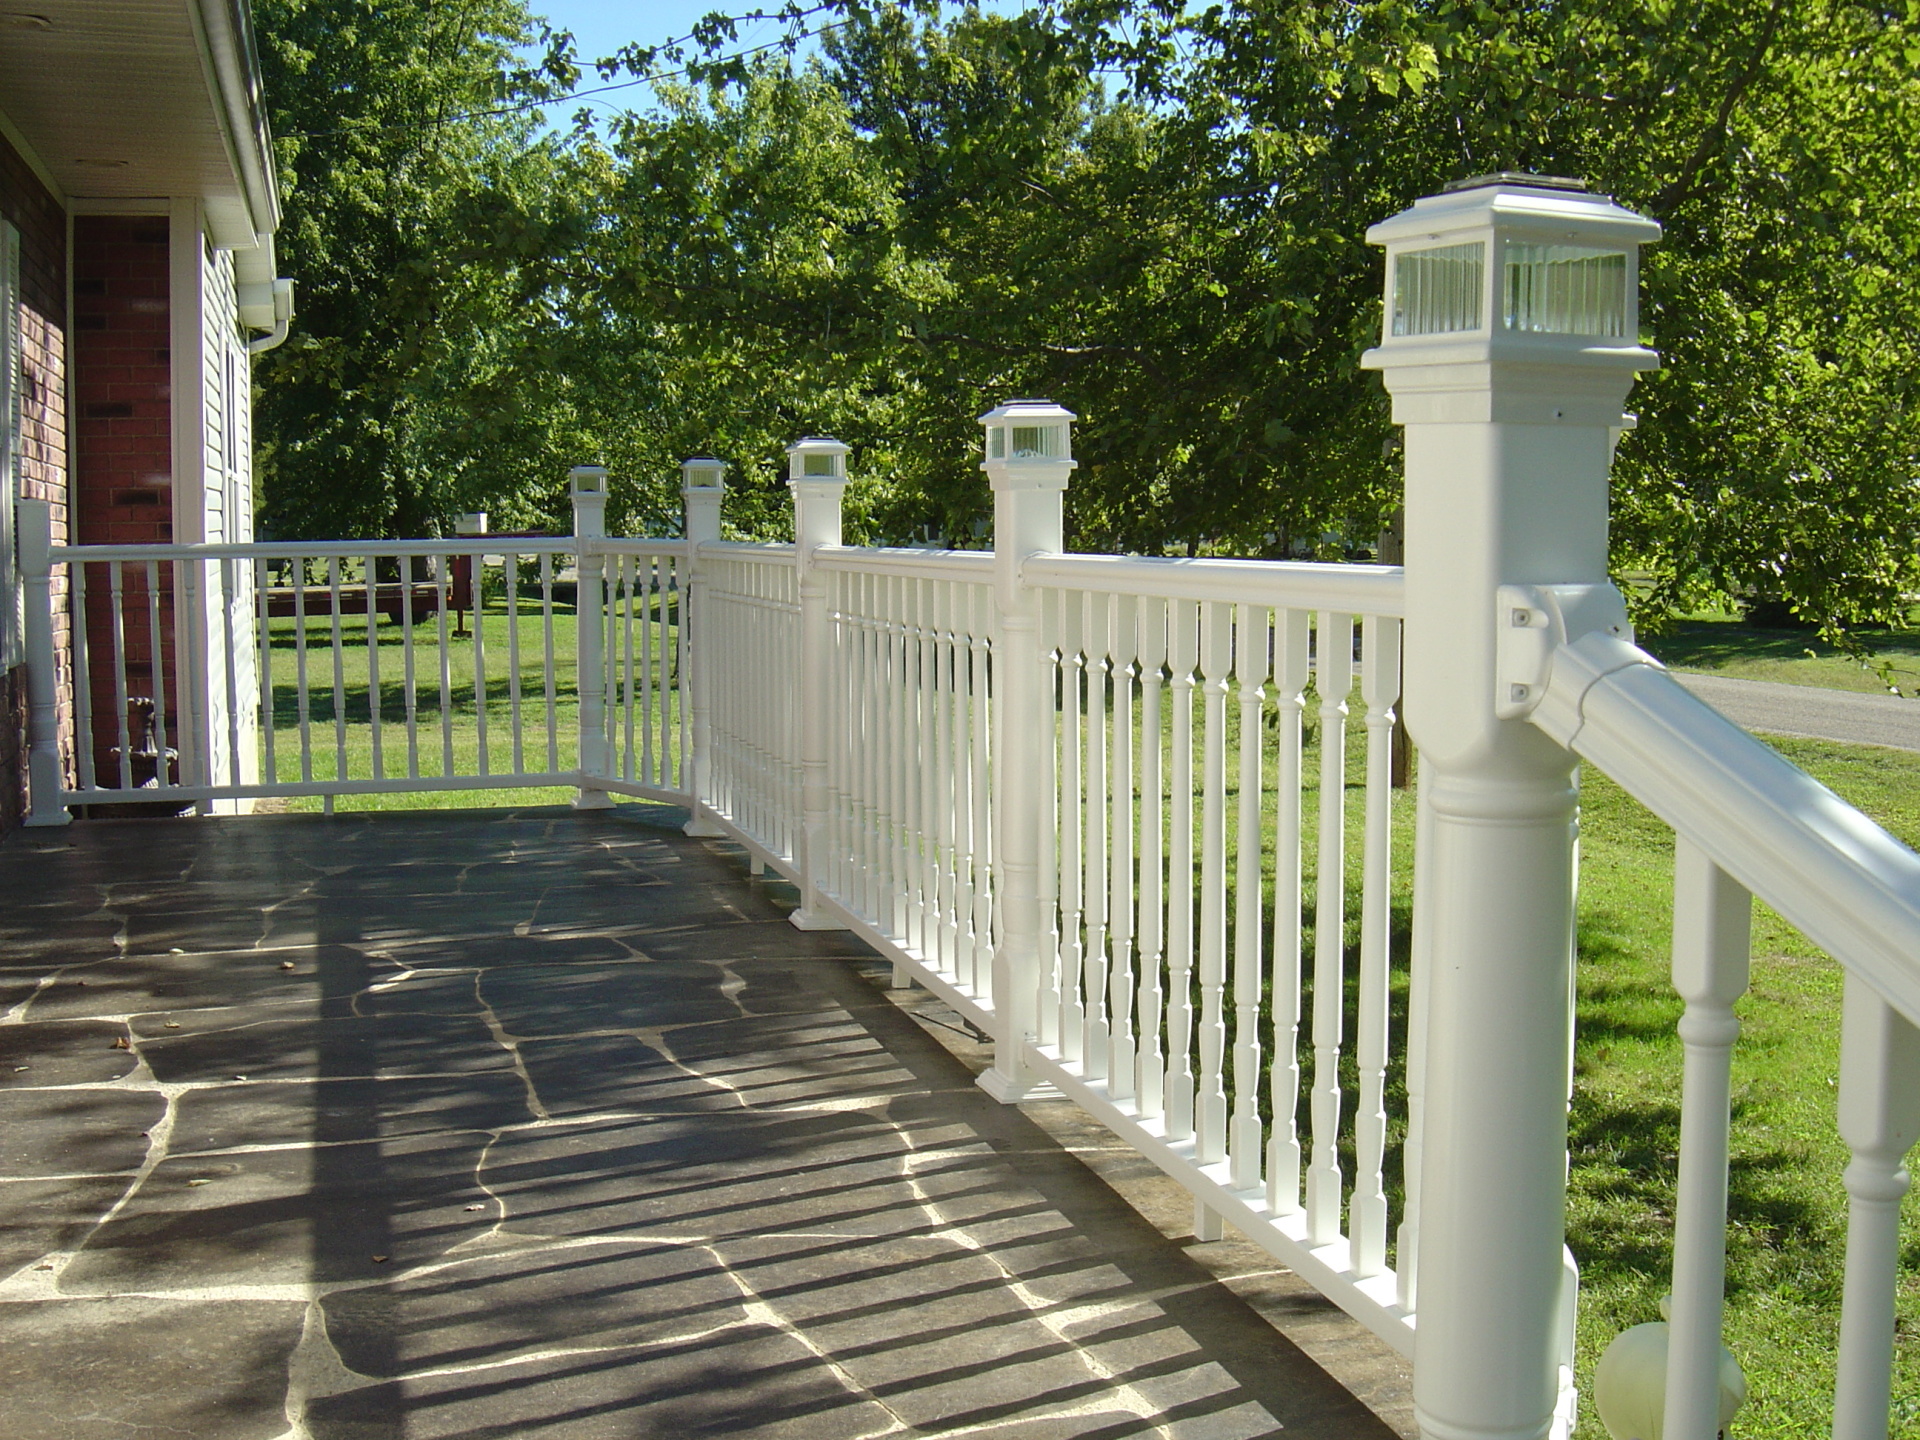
1029, 445
1511, 287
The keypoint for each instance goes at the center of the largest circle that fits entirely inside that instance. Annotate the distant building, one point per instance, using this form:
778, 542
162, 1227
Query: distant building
137, 210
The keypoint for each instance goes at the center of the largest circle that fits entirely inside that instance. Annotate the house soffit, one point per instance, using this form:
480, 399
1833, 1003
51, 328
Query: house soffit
124, 99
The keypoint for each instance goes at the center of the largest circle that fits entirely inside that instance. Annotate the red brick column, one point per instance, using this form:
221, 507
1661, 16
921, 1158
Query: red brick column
124, 494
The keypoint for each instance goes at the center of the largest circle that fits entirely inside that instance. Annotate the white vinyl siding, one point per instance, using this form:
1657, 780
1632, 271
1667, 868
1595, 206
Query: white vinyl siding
11, 401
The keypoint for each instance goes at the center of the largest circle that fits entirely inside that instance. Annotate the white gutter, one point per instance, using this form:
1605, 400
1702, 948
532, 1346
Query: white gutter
282, 318
233, 64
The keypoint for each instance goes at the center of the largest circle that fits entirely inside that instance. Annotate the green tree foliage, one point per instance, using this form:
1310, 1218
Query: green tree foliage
1153, 214
429, 238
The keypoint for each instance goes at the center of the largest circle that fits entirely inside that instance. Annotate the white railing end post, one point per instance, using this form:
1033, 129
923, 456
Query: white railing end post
817, 478
589, 491
1029, 460
1509, 343
34, 529
702, 487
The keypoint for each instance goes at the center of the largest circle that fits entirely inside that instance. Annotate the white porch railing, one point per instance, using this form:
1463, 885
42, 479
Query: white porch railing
323, 669
1073, 795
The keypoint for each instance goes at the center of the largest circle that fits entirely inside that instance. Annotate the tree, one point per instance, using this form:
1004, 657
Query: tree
426, 229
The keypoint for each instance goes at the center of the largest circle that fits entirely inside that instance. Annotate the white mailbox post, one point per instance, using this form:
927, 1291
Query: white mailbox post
1510, 343
1029, 459
817, 476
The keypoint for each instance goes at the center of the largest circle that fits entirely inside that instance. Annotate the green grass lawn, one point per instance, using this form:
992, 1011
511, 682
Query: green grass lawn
1787, 1208
1723, 644
446, 736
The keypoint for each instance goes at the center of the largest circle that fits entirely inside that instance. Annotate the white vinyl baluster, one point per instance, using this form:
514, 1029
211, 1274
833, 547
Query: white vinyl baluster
1072, 799
929, 829
980, 857
675, 725
477, 570
443, 597
270, 764
156, 649
229, 580
1099, 642
409, 678
652, 678
1250, 662
924, 776
878, 901
82, 681
512, 579
1047, 804
1290, 642
1333, 678
1216, 665
834, 882
944, 929
1379, 688
549, 675
1121, 1040
1712, 925
116, 596
892, 878
1184, 660
1150, 1062
301, 696
373, 668
339, 669
629, 573
1880, 1123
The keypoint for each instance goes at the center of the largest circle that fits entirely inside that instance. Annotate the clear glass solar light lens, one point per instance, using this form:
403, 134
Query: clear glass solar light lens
1438, 291
821, 465
1565, 290
1037, 442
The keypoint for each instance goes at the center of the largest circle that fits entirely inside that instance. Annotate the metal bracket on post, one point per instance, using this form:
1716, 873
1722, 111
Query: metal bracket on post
1533, 625
34, 527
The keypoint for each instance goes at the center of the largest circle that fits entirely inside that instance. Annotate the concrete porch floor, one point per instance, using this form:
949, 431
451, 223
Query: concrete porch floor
535, 1123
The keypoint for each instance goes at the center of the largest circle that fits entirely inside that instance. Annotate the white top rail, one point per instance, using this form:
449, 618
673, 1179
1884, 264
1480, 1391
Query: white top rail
320, 549
617, 545
912, 563
493, 544
1283, 584
1844, 882
756, 551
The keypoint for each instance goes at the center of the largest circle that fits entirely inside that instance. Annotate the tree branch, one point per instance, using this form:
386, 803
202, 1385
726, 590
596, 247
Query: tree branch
1682, 187
1037, 347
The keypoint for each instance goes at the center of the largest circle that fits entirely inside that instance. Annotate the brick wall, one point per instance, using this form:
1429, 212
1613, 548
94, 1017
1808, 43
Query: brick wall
42, 224
124, 496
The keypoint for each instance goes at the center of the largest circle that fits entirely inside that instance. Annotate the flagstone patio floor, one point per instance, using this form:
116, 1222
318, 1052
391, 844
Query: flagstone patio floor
525, 1123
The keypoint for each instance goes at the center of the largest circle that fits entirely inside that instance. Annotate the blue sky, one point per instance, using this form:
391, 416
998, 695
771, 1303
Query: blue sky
602, 26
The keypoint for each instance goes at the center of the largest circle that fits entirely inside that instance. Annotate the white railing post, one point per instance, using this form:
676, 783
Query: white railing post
1508, 349
702, 485
589, 525
34, 527
1029, 459
817, 476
